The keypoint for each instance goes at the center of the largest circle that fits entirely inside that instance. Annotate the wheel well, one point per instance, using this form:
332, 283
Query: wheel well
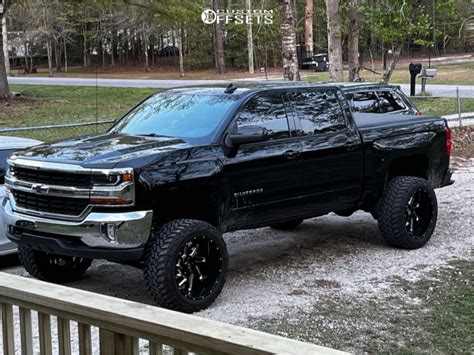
416, 165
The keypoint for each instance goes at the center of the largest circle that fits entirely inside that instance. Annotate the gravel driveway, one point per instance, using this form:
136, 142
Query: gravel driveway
277, 276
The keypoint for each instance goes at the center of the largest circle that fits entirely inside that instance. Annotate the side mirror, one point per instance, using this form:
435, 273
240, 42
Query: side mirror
249, 134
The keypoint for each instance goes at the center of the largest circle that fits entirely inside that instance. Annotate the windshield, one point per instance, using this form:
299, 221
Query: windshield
192, 117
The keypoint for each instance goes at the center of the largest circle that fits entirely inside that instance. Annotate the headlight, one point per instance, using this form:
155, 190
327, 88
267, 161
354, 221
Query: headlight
111, 177
113, 188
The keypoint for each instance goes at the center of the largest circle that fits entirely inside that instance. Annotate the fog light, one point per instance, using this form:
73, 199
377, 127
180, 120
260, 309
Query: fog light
112, 233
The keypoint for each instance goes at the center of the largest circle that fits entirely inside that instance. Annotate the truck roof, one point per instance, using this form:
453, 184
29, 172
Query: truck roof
244, 87
363, 86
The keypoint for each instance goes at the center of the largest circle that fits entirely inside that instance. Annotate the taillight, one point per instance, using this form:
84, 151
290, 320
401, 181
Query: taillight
449, 141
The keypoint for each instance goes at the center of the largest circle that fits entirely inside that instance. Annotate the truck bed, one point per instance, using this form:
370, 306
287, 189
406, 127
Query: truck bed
373, 126
371, 120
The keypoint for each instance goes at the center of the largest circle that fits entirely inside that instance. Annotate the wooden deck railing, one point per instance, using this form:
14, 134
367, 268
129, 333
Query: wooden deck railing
122, 325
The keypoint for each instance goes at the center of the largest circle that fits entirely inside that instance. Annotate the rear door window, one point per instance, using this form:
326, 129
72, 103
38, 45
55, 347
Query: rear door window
318, 111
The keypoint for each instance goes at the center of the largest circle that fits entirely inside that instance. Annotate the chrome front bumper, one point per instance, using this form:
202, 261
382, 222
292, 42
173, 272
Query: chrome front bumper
117, 230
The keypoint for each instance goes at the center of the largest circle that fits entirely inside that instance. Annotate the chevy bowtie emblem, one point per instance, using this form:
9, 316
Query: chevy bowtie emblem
40, 189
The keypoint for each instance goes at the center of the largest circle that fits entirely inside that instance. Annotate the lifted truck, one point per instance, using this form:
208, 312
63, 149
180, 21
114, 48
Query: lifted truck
186, 165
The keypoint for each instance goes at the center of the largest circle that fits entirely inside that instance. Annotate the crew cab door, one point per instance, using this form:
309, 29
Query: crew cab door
263, 177
332, 157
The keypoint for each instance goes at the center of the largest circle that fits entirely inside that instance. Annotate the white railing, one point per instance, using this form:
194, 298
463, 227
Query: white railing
122, 326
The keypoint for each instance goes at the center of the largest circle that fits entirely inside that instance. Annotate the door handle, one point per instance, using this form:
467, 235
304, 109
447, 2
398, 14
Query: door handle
291, 154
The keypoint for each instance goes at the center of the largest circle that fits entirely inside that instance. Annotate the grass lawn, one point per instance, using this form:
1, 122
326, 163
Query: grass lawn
439, 106
50, 105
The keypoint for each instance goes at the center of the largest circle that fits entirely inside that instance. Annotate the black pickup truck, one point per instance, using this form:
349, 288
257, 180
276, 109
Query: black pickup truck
186, 165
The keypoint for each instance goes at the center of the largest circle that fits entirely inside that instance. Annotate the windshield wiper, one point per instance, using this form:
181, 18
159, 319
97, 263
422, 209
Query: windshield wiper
153, 135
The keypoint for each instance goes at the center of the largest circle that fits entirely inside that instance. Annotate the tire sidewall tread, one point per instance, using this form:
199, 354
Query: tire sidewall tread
160, 258
392, 212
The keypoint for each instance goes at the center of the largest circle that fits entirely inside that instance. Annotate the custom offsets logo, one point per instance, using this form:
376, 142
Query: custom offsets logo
238, 17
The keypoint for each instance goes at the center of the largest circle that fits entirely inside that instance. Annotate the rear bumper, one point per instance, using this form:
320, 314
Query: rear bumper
112, 236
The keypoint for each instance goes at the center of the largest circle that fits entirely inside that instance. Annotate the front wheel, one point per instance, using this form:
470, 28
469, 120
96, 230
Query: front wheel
52, 267
185, 265
408, 212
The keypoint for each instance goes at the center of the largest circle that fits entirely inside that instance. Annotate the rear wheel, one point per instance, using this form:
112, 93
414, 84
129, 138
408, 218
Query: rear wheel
185, 265
52, 267
289, 225
408, 212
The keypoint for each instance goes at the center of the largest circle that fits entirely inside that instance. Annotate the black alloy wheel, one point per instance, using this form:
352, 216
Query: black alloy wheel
418, 213
198, 268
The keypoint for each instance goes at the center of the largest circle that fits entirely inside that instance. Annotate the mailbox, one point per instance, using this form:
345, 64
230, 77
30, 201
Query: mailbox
429, 72
415, 69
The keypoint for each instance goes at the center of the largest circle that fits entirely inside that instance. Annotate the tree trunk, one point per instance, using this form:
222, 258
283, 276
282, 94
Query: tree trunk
65, 56
308, 26
288, 40
4, 88
433, 19
27, 68
86, 64
152, 47
334, 40
112, 48
388, 73
373, 38
49, 51
353, 38
5, 46
102, 50
180, 47
248, 6
218, 42
57, 56
145, 52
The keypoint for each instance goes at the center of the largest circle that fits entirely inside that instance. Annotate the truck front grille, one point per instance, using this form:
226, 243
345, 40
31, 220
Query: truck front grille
56, 178
50, 204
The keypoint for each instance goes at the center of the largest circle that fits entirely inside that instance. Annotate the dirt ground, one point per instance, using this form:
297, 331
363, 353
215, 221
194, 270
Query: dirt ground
333, 282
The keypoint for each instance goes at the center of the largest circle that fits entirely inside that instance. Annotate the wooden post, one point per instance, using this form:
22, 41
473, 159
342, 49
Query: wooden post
7, 328
107, 342
156, 348
64, 336
44, 323
26, 332
131, 345
85, 343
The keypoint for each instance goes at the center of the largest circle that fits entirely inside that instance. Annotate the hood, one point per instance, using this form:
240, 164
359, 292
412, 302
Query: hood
104, 150
16, 142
